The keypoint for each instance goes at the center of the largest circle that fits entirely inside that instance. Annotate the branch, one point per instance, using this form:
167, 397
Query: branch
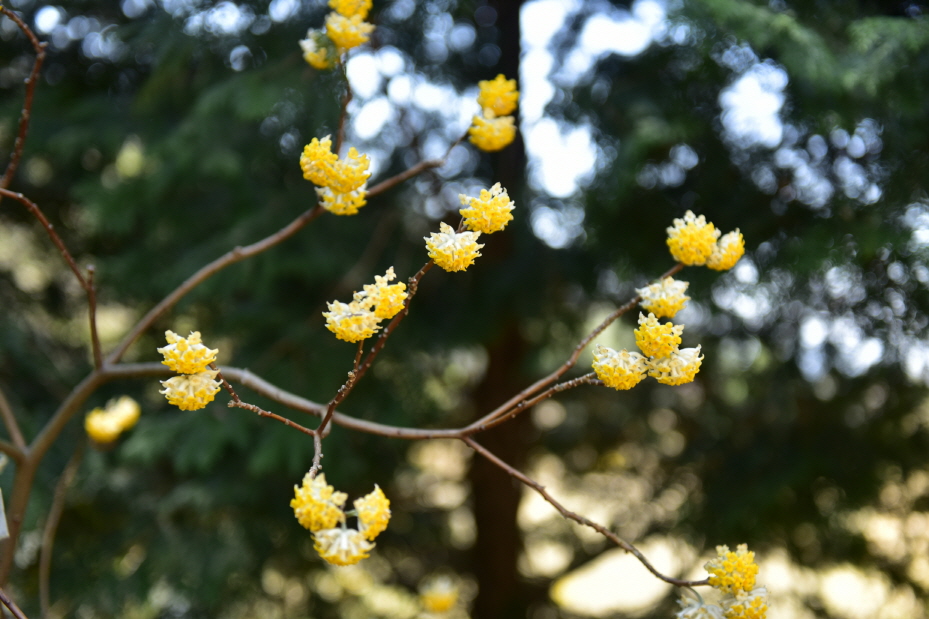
231, 257
236, 402
50, 229
577, 517
92, 316
11, 605
51, 525
9, 420
26, 113
11, 450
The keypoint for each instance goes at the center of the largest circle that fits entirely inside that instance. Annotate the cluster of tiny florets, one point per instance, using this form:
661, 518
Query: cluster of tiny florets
497, 97
495, 128
655, 339
342, 182
320, 508
373, 513
664, 299
186, 355
104, 425
733, 574
317, 505
489, 212
727, 252
197, 385
360, 319
451, 250
695, 242
318, 50
619, 369
345, 29
680, 366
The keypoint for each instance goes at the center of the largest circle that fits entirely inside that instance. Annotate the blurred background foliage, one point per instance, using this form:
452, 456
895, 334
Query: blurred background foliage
166, 132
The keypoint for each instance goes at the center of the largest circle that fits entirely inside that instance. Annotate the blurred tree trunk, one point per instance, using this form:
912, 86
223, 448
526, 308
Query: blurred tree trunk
496, 494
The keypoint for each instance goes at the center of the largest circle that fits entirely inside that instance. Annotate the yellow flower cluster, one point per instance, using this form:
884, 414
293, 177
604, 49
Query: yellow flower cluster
490, 212
345, 29
733, 573
727, 252
693, 242
655, 339
677, 368
186, 355
497, 97
453, 251
318, 50
319, 508
621, 369
317, 505
438, 594
495, 128
104, 426
661, 357
664, 299
341, 546
361, 318
197, 385
492, 134
750, 605
373, 513
342, 182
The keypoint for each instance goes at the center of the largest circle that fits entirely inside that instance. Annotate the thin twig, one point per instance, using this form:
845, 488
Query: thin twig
87, 283
237, 402
528, 481
11, 605
419, 168
51, 524
26, 113
92, 311
9, 420
317, 455
231, 257
356, 375
525, 405
50, 229
361, 349
263, 413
